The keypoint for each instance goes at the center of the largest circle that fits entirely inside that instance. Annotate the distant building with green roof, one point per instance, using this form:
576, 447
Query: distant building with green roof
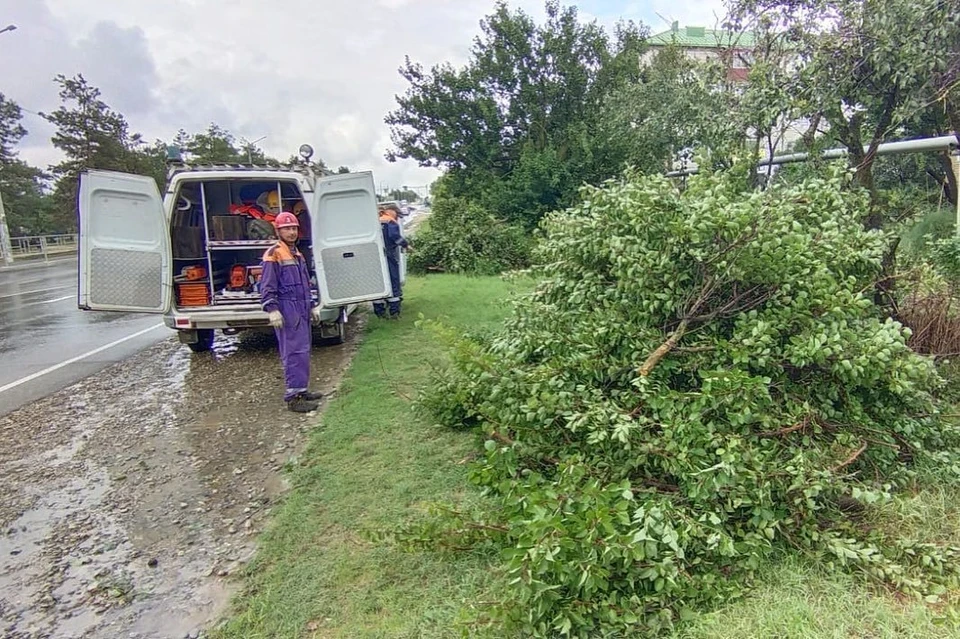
700, 43
735, 50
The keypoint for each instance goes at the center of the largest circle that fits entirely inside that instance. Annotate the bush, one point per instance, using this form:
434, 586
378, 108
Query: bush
700, 380
934, 225
464, 238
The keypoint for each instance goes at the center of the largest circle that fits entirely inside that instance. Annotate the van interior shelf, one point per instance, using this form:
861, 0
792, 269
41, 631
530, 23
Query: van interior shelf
240, 244
220, 298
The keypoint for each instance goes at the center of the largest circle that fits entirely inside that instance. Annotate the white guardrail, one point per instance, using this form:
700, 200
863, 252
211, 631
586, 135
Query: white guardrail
42, 245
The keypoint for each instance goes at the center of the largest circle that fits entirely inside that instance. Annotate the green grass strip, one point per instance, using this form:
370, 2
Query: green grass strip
372, 463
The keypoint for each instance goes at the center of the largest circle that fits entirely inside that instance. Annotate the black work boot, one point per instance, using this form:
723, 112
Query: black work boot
310, 396
301, 404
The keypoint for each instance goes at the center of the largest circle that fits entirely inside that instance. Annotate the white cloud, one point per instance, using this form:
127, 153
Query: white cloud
322, 72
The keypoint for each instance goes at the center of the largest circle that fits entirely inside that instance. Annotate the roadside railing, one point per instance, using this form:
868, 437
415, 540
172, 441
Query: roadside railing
42, 245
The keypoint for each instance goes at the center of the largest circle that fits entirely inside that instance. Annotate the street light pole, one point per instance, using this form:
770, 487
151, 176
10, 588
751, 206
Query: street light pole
250, 149
6, 249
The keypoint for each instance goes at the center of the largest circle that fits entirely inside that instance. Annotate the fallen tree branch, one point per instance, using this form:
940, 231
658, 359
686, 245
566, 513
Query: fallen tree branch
880, 443
656, 485
502, 529
740, 303
849, 460
663, 349
695, 349
786, 431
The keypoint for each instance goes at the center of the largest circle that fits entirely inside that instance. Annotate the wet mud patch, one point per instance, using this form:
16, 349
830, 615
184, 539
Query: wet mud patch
129, 499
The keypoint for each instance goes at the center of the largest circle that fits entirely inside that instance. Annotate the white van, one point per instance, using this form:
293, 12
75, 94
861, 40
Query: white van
193, 257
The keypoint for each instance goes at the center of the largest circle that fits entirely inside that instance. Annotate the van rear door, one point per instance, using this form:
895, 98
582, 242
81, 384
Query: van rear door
125, 259
347, 241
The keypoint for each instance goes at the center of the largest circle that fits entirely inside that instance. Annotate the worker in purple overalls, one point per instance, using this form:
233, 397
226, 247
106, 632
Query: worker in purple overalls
285, 296
393, 243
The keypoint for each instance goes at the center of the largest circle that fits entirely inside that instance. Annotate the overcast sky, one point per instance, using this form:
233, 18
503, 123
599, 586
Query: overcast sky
322, 72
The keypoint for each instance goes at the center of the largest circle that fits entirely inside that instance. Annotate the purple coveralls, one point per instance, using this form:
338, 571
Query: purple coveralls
285, 287
393, 241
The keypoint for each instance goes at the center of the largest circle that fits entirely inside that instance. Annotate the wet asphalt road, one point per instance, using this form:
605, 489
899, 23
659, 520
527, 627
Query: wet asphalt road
47, 343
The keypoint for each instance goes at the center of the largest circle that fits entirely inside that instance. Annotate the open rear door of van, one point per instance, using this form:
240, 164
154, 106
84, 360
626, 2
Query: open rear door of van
348, 242
125, 258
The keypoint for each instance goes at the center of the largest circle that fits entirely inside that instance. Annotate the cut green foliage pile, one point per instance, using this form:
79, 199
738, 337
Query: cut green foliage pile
699, 381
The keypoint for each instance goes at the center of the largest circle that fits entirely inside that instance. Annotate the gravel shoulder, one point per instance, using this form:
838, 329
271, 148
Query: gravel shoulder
129, 499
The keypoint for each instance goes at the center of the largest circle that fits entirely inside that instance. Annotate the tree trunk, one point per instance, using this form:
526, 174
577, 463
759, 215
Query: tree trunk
883, 294
950, 183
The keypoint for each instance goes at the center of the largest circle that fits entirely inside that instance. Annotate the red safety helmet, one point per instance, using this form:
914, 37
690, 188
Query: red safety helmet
286, 219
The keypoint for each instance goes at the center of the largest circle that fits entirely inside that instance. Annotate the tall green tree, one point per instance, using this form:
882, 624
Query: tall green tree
11, 128
21, 185
867, 68
673, 108
215, 145
516, 126
92, 136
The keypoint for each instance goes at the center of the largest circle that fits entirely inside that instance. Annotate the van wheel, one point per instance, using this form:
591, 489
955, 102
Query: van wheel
204, 341
335, 339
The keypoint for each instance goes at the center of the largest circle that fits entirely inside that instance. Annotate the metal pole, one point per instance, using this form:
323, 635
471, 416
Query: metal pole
955, 161
5, 249
940, 143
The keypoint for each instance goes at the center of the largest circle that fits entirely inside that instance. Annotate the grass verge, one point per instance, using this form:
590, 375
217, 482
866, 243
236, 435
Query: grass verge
372, 464
795, 600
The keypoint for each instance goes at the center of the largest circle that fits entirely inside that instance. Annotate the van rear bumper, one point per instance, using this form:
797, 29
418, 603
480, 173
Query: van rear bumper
237, 317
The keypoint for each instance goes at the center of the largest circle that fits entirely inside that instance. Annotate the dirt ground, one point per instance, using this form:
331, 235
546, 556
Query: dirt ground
128, 500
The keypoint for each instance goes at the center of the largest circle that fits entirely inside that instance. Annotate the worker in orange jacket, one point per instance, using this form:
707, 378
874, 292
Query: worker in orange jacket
285, 296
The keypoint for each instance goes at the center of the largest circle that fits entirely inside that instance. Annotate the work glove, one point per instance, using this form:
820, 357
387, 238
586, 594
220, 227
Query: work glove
276, 319
315, 315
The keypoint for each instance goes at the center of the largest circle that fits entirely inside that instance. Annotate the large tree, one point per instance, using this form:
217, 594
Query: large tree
214, 146
28, 208
217, 145
11, 128
21, 185
867, 68
92, 136
673, 108
522, 114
